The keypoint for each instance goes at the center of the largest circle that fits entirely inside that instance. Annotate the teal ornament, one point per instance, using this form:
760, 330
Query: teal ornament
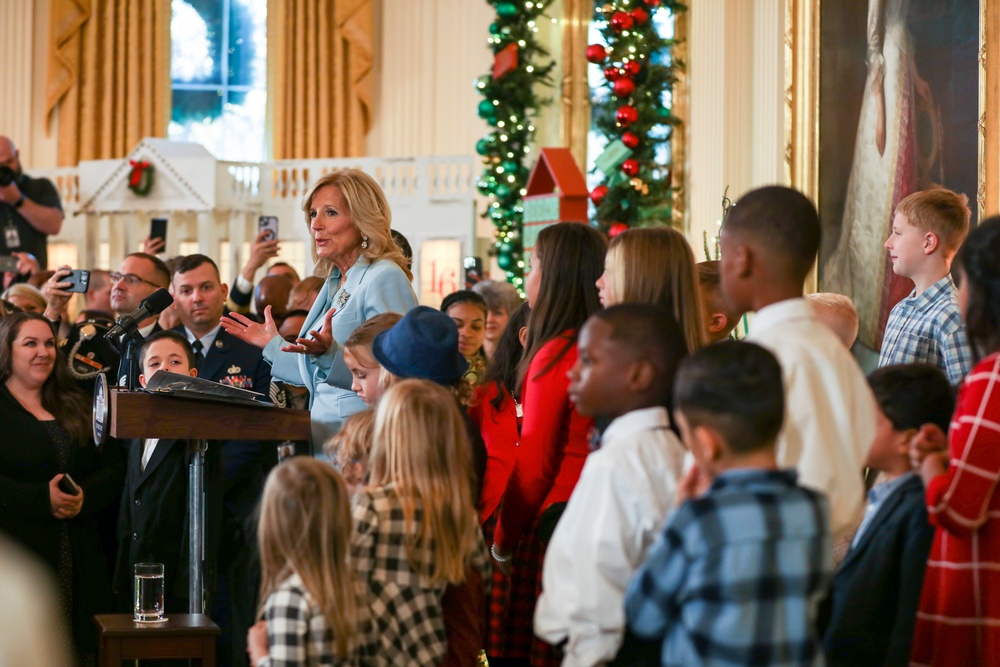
505, 262
501, 191
494, 29
663, 113
482, 147
506, 10
487, 109
509, 166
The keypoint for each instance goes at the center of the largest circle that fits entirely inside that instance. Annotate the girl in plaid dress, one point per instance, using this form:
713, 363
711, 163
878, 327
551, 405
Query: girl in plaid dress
958, 620
416, 529
308, 596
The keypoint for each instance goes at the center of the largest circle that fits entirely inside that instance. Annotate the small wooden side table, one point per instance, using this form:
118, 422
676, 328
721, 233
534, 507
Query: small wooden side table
180, 636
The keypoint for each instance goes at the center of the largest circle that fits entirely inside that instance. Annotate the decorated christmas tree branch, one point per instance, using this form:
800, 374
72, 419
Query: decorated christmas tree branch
633, 114
509, 104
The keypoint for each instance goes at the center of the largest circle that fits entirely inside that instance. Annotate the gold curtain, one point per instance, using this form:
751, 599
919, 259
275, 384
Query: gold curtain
320, 76
109, 75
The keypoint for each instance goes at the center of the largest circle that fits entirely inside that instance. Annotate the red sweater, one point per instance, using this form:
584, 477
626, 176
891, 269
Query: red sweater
554, 443
499, 431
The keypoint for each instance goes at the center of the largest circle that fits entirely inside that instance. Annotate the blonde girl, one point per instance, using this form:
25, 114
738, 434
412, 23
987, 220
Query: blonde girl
361, 362
351, 448
655, 265
416, 530
308, 598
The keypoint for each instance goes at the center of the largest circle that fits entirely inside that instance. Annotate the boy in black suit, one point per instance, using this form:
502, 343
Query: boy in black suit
875, 593
153, 525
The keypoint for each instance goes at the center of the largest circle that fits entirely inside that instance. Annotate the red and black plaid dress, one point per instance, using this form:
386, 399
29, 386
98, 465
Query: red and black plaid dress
553, 447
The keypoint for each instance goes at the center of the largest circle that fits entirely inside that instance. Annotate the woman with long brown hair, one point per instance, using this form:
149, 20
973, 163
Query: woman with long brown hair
46, 440
565, 264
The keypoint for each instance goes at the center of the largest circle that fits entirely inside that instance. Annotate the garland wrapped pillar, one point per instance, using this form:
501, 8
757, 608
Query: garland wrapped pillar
508, 105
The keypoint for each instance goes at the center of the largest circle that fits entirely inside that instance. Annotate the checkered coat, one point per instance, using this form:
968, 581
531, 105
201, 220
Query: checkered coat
407, 624
958, 621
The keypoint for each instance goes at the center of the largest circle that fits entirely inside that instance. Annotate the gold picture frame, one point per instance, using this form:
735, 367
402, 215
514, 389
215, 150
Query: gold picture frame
802, 103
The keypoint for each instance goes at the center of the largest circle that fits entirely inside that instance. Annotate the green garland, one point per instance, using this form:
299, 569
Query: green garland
509, 102
638, 70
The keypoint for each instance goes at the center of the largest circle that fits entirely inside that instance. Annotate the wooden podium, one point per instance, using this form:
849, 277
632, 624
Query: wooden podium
142, 414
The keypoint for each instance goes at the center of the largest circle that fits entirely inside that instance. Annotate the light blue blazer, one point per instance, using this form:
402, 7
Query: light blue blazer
371, 288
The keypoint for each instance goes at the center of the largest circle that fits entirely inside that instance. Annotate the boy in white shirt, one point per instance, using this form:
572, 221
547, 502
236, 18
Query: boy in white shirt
628, 356
769, 243
926, 327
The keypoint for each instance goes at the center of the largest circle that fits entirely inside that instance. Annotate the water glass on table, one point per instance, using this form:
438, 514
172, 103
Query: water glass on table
149, 592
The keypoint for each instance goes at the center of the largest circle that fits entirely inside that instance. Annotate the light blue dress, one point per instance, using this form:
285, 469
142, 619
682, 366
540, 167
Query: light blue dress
371, 288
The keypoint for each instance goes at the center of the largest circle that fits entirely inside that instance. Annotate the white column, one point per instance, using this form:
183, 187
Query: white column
428, 56
768, 137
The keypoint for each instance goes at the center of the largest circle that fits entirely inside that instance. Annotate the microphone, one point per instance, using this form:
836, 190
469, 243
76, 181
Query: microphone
154, 304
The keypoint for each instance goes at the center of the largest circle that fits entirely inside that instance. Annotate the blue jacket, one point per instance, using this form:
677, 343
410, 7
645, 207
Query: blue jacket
877, 589
371, 288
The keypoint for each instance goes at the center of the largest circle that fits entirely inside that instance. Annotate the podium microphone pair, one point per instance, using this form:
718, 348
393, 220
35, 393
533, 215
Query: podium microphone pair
128, 325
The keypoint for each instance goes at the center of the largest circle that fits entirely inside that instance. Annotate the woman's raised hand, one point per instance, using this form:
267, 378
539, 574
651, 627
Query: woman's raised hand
319, 343
248, 331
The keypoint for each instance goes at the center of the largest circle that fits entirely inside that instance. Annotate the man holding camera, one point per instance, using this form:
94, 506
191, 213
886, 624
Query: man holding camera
30, 210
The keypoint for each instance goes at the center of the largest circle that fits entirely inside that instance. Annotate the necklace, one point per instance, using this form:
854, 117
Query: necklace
518, 408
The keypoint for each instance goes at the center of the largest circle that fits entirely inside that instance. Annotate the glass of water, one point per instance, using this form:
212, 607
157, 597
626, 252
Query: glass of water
148, 592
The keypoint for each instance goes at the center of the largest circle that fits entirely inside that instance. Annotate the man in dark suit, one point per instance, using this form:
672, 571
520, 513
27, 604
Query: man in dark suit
200, 298
873, 603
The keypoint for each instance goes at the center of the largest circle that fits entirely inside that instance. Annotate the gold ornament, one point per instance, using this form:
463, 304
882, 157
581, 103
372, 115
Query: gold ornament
639, 186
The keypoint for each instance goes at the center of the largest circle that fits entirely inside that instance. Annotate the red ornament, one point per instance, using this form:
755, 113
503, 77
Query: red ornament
640, 15
621, 21
630, 166
617, 228
596, 53
626, 115
612, 73
598, 194
632, 67
630, 139
624, 87
652, 3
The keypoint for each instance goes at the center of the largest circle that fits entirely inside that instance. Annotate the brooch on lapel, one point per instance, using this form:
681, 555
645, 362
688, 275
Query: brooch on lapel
218, 343
342, 299
233, 370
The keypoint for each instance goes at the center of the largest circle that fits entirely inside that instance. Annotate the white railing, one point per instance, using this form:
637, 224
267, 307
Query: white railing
430, 197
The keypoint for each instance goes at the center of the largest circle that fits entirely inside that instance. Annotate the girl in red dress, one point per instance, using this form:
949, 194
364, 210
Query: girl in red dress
565, 264
958, 621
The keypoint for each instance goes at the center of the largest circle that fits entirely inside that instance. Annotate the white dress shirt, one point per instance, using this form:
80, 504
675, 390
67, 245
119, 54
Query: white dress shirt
618, 507
148, 447
829, 408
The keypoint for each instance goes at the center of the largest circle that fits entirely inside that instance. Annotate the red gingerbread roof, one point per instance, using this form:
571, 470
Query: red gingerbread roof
556, 169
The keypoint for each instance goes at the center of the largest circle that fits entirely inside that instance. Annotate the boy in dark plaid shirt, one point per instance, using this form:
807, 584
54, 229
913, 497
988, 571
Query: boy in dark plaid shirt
739, 573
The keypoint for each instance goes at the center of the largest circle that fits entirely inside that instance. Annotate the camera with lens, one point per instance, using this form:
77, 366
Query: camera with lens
6, 176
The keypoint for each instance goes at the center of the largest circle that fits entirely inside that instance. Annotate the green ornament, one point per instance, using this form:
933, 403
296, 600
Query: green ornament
487, 110
509, 166
482, 147
501, 191
507, 10
663, 112
494, 29
505, 262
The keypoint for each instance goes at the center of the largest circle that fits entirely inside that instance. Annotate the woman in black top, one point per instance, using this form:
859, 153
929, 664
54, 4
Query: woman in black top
45, 426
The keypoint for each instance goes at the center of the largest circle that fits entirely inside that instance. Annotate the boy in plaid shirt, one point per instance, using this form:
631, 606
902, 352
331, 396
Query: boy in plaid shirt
925, 327
739, 573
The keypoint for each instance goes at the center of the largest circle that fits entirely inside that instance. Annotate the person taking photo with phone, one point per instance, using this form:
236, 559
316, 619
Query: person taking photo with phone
47, 440
30, 209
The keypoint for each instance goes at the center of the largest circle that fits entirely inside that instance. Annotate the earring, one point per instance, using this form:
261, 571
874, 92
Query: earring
364, 242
